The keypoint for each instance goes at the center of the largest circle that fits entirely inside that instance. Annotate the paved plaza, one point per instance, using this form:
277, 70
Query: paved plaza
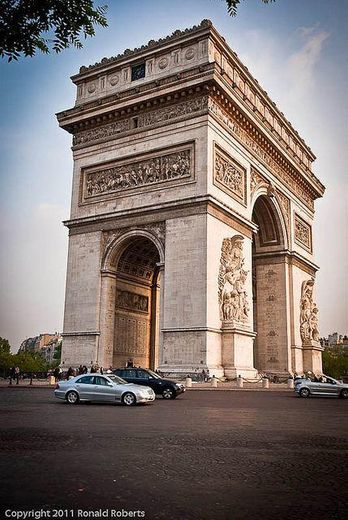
206, 455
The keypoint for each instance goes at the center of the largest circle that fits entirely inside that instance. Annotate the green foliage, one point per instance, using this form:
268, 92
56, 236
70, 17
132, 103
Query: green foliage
30, 362
28, 26
232, 5
58, 352
5, 355
5, 347
335, 362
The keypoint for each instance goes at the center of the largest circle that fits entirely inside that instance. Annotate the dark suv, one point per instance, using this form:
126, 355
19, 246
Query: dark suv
142, 376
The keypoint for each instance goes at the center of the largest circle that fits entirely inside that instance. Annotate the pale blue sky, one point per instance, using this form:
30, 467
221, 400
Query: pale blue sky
295, 48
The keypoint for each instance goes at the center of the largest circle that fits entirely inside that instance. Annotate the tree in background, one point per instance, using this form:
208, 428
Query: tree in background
57, 355
335, 362
232, 5
28, 26
30, 362
5, 356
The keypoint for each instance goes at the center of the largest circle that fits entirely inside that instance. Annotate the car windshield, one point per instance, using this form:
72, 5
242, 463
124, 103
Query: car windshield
117, 380
153, 374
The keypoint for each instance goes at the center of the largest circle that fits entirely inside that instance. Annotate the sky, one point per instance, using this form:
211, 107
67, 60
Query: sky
296, 50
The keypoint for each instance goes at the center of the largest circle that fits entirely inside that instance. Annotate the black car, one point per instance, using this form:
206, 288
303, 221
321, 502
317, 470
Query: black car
142, 376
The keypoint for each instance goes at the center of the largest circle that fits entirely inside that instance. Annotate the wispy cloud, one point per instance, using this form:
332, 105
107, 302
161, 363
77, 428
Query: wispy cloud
301, 64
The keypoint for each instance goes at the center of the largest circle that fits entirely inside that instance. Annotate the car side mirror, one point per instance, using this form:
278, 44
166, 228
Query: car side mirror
110, 384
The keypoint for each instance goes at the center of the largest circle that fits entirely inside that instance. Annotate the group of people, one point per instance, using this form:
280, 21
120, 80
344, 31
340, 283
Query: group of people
14, 374
82, 369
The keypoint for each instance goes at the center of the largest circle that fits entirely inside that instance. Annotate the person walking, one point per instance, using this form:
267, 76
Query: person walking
16, 374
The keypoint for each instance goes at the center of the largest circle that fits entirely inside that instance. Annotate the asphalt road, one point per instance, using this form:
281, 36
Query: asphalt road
206, 455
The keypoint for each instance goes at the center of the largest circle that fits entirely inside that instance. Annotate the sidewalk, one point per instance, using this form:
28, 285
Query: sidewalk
225, 385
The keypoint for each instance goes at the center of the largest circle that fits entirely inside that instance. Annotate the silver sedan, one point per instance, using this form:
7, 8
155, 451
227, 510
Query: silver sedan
103, 388
326, 386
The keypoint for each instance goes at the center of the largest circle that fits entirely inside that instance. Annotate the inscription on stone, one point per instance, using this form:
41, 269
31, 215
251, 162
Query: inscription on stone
123, 175
132, 301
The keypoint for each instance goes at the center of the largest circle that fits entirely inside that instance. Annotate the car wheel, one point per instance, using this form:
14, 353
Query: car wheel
344, 394
304, 392
168, 393
128, 399
72, 397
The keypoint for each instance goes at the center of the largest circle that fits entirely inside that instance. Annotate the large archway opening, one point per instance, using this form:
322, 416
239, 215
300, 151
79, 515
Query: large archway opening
137, 304
269, 275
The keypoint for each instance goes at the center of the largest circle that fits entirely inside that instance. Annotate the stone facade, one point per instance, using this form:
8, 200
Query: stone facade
190, 240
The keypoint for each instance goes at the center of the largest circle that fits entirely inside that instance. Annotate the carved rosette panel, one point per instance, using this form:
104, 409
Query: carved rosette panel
233, 300
308, 314
132, 301
170, 165
229, 176
303, 233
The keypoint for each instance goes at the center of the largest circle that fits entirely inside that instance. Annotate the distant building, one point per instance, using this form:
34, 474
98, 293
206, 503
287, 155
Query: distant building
44, 343
334, 340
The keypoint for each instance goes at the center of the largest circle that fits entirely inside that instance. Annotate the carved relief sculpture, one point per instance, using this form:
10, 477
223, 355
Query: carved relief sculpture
233, 301
229, 176
303, 233
132, 301
308, 314
124, 175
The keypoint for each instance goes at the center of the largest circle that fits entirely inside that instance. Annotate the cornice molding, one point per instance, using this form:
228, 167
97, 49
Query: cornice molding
150, 46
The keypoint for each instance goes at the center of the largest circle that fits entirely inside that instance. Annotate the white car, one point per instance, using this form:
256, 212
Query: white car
103, 388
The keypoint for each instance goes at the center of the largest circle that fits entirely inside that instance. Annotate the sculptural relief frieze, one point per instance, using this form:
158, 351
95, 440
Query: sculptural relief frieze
233, 299
303, 233
124, 175
308, 314
229, 176
260, 152
132, 301
144, 120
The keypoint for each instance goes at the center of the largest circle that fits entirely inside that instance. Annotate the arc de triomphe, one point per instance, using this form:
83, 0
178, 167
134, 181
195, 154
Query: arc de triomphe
190, 235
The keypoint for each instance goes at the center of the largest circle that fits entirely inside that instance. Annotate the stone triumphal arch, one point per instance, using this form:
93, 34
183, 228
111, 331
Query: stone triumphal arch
190, 235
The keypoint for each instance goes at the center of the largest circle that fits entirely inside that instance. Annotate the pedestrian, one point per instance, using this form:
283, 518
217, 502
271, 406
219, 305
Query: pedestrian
70, 373
12, 374
101, 370
92, 368
80, 369
56, 374
84, 369
130, 363
16, 374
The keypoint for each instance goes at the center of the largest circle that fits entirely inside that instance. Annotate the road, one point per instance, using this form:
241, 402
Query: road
230, 455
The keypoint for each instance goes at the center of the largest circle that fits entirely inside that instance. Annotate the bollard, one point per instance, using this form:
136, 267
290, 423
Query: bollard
290, 382
265, 382
214, 382
188, 382
239, 381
